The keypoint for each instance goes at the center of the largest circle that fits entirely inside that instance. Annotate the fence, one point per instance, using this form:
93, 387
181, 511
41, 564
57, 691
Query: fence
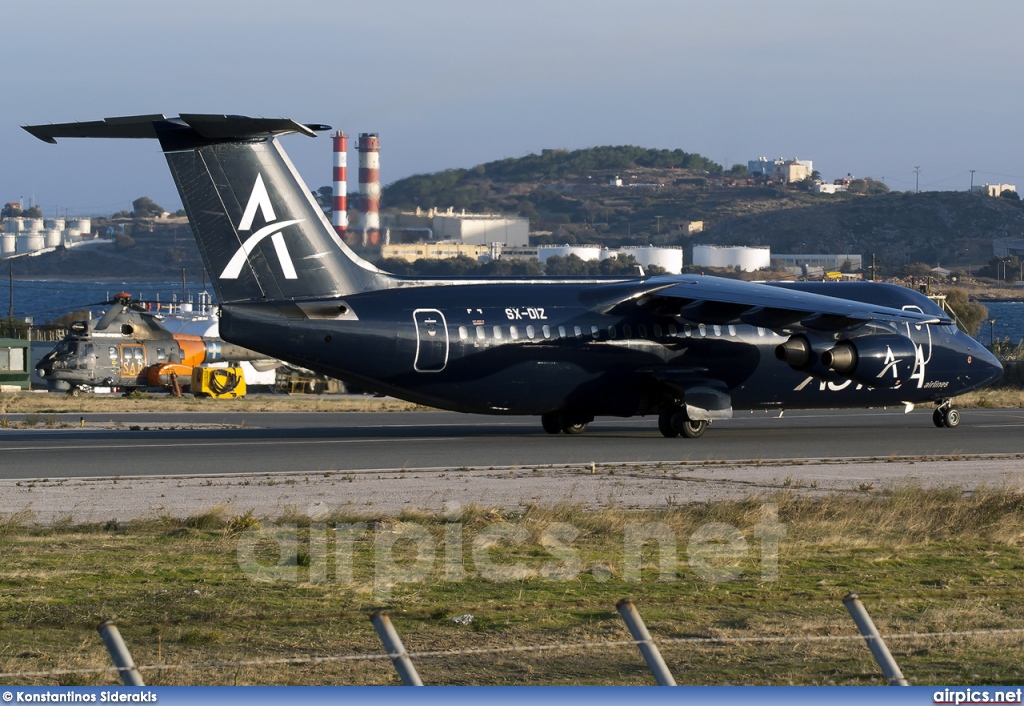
402, 660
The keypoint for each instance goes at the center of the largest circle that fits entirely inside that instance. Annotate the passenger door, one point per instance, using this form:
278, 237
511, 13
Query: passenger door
431, 341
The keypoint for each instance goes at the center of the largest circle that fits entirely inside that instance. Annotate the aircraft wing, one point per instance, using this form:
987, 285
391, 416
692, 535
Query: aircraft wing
717, 300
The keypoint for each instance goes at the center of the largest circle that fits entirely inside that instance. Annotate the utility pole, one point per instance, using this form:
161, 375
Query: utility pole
917, 179
10, 276
659, 224
872, 267
972, 181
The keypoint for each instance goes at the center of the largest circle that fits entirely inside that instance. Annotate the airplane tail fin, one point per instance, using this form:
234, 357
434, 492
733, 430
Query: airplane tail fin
261, 234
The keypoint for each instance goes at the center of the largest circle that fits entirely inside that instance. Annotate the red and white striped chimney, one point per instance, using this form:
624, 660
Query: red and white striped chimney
339, 209
369, 187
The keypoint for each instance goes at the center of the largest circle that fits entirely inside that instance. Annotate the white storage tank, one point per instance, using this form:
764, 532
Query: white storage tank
33, 225
583, 252
52, 237
747, 259
8, 244
54, 224
82, 225
14, 225
72, 235
30, 242
668, 259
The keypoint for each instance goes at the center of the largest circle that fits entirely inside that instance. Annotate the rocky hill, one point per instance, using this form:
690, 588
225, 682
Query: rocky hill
573, 200
948, 228
570, 197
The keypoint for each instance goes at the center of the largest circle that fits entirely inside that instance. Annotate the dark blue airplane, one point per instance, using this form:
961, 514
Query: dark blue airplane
689, 349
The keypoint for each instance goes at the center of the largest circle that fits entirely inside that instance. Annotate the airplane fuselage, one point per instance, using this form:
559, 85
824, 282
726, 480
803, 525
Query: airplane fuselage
534, 348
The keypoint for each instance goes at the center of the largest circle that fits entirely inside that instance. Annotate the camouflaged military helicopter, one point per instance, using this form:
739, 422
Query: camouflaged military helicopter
130, 348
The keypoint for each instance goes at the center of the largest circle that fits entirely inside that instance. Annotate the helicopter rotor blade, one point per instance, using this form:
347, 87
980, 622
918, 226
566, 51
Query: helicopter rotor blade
108, 317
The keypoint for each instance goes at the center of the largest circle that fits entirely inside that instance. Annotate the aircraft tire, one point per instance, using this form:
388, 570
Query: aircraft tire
551, 422
74, 391
573, 426
665, 424
693, 430
688, 428
951, 418
938, 418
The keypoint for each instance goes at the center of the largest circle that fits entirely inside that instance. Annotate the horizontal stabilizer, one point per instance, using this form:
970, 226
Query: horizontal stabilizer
199, 127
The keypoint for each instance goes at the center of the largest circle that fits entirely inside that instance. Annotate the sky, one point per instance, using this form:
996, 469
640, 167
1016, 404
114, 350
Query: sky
873, 88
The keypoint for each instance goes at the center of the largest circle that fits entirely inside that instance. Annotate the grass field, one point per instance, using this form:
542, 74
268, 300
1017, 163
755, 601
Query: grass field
193, 590
43, 403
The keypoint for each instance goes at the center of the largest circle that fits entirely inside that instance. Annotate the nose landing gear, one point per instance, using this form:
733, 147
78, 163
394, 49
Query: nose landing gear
945, 415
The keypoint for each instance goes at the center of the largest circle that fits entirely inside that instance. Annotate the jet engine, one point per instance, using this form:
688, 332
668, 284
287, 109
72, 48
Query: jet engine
804, 353
882, 360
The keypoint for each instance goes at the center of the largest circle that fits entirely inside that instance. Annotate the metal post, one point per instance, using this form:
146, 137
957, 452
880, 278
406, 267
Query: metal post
119, 653
644, 641
867, 628
395, 649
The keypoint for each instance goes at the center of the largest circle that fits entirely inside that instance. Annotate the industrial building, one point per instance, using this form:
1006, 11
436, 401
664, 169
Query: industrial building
434, 250
468, 228
1008, 247
827, 262
747, 259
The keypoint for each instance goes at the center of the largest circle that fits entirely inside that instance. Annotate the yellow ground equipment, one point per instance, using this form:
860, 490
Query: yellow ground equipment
217, 382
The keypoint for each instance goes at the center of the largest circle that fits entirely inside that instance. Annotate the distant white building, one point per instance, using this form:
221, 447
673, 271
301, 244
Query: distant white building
829, 188
686, 228
994, 189
788, 171
747, 259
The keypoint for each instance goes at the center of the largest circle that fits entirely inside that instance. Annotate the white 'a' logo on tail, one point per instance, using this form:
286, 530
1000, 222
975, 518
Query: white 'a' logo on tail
259, 200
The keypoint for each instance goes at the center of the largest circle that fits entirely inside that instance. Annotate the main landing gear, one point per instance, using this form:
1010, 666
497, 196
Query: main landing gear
564, 423
945, 415
673, 422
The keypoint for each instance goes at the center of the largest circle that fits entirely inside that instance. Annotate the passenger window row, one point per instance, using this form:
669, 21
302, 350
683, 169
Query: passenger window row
531, 333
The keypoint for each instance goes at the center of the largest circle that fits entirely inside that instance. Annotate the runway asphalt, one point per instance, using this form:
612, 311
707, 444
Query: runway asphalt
182, 444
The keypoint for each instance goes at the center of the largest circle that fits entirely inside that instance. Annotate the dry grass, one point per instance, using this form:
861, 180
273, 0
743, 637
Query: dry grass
49, 404
922, 560
1001, 398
